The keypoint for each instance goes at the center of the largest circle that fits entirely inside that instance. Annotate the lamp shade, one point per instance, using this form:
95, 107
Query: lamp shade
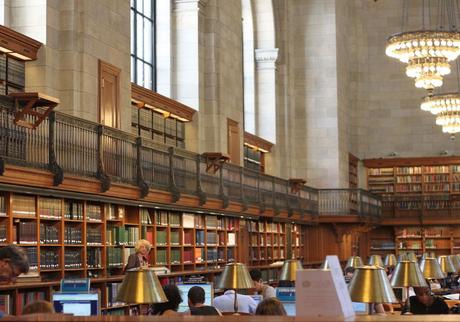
376, 260
235, 276
288, 271
428, 254
354, 261
456, 261
411, 257
402, 257
390, 260
407, 274
370, 284
141, 286
446, 264
431, 269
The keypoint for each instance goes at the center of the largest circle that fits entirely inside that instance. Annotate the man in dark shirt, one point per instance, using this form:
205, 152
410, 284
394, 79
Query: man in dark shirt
425, 303
196, 297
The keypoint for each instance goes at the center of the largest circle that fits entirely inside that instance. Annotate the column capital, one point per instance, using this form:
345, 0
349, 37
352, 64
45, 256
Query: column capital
266, 58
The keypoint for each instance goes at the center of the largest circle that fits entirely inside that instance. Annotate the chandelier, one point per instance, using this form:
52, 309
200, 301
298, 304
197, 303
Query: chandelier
446, 107
429, 51
426, 53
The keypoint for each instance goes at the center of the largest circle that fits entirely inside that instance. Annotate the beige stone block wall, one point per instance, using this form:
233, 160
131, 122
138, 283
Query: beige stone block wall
78, 34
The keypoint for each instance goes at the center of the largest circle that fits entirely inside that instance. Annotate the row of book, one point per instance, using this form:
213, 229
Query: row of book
268, 240
3, 233
72, 235
93, 213
49, 259
2, 206
93, 237
73, 210
50, 208
114, 212
23, 206
122, 235
73, 258
49, 234
265, 227
266, 253
94, 258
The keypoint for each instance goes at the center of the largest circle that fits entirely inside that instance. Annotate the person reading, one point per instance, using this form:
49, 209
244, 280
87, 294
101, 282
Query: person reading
196, 299
425, 303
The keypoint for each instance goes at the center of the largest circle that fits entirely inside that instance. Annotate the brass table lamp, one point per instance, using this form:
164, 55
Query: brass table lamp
456, 261
235, 276
412, 257
402, 257
407, 274
376, 260
390, 260
288, 271
370, 284
354, 261
431, 269
141, 286
446, 264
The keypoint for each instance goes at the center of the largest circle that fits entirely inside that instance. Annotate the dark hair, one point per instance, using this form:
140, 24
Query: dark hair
17, 257
270, 306
174, 299
256, 275
39, 306
349, 269
196, 295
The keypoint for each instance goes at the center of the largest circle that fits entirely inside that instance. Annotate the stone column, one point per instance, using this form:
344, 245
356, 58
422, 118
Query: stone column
188, 67
266, 93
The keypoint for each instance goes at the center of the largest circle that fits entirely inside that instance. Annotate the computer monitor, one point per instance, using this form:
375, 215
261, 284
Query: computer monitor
257, 298
78, 304
285, 294
289, 307
185, 287
360, 308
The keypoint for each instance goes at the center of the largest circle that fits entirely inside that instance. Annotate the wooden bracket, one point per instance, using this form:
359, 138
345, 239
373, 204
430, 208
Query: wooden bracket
214, 161
296, 185
36, 105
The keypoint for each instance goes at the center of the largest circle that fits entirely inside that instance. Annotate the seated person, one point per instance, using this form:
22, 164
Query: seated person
39, 306
425, 303
349, 271
270, 306
265, 290
225, 303
170, 307
196, 304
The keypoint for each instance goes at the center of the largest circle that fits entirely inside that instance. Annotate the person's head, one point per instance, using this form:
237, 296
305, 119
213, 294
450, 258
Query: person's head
143, 247
256, 276
195, 296
174, 299
349, 271
39, 306
423, 295
13, 261
270, 306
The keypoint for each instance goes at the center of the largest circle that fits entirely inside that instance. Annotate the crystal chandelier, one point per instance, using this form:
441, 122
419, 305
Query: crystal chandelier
446, 107
428, 52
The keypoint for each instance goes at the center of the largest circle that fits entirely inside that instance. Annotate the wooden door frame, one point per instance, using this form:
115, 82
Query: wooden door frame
111, 69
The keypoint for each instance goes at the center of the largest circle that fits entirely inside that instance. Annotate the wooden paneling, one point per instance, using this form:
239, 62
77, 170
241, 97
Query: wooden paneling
322, 240
109, 93
234, 145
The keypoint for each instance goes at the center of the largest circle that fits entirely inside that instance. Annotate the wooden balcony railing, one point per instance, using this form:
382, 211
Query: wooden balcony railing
64, 144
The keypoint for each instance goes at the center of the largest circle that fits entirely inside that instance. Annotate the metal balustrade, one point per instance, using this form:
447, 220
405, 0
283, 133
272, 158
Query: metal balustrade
67, 144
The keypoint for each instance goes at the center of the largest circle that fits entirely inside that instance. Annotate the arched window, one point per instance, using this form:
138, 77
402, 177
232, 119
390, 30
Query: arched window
143, 43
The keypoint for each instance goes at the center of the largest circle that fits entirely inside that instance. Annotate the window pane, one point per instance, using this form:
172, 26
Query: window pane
133, 33
148, 40
140, 37
147, 76
139, 5
133, 69
140, 73
148, 8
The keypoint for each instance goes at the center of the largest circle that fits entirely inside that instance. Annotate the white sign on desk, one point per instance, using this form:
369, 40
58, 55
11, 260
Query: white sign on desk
323, 292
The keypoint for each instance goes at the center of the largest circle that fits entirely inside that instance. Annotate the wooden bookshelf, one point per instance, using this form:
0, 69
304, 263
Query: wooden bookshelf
352, 171
415, 186
442, 240
67, 238
268, 242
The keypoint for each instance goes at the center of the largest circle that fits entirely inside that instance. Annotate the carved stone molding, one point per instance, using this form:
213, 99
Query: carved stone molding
266, 58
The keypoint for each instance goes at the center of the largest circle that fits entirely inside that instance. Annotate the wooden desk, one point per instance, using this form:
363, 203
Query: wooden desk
233, 318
